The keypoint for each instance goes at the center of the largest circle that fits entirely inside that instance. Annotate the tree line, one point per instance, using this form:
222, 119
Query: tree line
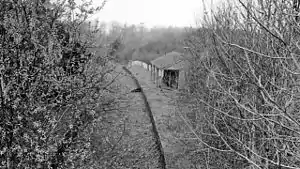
136, 42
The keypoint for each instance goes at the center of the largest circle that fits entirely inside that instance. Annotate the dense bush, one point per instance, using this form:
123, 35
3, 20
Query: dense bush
53, 90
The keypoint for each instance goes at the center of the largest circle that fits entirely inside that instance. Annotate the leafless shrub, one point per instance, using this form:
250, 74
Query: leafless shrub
245, 90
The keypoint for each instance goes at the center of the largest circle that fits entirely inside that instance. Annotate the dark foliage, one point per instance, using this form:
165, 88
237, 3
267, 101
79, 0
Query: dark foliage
48, 89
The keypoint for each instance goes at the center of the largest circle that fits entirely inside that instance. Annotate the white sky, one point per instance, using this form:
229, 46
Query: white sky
152, 12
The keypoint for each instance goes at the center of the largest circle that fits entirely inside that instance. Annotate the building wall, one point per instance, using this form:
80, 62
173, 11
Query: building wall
144, 65
158, 74
181, 79
136, 63
140, 63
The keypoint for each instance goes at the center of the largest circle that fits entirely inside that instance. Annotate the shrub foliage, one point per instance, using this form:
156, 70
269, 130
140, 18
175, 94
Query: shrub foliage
53, 90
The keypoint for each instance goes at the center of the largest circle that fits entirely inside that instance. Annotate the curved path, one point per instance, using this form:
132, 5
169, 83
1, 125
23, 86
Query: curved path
151, 123
161, 159
143, 139
163, 107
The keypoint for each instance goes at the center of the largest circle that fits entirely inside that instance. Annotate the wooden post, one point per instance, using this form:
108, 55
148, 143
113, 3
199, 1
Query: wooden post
170, 76
177, 79
157, 77
151, 73
154, 74
162, 77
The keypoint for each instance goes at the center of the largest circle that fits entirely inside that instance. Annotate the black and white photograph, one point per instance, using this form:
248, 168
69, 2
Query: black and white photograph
149, 84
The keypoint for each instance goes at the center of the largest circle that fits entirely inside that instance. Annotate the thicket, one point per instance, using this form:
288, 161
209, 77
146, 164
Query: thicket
57, 100
242, 98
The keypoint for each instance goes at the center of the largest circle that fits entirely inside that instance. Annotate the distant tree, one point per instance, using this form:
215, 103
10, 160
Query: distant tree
141, 43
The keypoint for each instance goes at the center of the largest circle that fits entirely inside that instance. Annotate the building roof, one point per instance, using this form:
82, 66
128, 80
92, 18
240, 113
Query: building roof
141, 60
168, 60
179, 66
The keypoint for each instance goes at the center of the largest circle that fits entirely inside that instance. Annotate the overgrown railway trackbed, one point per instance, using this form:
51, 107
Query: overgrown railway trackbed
140, 113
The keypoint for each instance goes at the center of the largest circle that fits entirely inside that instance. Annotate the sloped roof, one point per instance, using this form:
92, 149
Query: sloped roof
179, 66
142, 60
168, 60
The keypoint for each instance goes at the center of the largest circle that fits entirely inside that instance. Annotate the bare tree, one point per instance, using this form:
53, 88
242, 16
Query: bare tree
246, 90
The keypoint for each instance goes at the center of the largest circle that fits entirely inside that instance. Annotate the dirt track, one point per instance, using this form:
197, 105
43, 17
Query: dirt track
163, 106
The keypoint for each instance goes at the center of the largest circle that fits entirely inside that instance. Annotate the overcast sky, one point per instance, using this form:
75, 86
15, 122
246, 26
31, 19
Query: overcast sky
152, 12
